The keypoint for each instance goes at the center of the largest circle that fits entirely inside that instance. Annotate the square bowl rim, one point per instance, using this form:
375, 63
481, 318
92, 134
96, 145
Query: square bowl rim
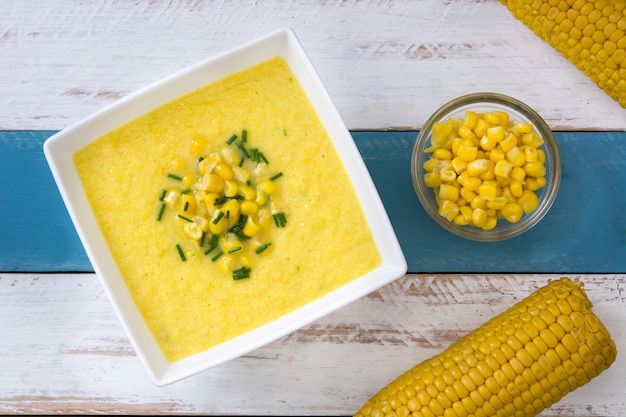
59, 148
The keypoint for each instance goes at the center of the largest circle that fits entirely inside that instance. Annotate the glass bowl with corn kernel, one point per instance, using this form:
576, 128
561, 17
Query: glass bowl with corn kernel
486, 167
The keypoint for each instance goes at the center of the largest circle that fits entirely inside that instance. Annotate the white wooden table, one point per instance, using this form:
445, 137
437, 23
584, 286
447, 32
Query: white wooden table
387, 65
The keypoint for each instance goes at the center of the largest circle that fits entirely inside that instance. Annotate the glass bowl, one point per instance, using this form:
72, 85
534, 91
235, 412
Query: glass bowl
518, 113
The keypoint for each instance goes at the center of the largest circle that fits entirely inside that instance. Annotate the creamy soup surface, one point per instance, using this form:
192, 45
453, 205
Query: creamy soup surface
192, 305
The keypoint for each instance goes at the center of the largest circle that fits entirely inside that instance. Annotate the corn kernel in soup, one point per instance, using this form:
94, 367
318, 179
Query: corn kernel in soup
195, 304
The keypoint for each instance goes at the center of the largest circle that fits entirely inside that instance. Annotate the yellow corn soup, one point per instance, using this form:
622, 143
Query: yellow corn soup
193, 304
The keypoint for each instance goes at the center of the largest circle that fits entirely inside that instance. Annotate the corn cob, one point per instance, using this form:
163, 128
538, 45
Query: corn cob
516, 364
590, 34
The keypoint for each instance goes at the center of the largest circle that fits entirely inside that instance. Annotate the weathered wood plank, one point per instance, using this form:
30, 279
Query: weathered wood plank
65, 352
387, 64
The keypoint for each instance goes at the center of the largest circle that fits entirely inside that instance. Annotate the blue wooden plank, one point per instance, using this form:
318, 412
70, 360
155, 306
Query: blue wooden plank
585, 232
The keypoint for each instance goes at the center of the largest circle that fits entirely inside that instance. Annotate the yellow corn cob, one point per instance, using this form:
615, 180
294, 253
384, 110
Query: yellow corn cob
590, 34
516, 364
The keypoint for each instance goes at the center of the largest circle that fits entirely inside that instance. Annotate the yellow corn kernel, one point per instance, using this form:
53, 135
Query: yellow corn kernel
268, 187
479, 217
188, 179
520, 383
213, 183
231, 157
448, 192
466, 133
531, 184
247, 192
491, 223
226, 263
264, 218
230, 188
448, 210
192, 230
218, 222
470, 119
530, 153
467, 152
202, 222
508, 143
432, 179
516, 156
224, 171
464, 217
447, 175
260, 198
497, 203
241, 174
231, 208
469, 182
431, 164
171, 197
487, 144
541, 181
199, 144
206, 165
477, 167
458, 165
467, 194
478, 202
518, 173
535, 169
481, 127
441, 130
512, 212
541, 156
488, 190
503, 168
517, 188
248, 208
496, 133
250, 228
442, 154
533, 139
188, 204
489, 173
528, 201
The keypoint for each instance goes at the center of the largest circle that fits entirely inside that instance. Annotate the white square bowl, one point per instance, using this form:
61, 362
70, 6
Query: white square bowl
60, 148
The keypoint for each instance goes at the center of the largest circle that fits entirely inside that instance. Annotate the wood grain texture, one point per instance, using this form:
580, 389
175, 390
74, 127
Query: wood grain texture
387, 64
64, 351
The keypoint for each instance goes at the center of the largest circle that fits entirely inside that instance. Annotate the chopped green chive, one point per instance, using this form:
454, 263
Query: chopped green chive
279, 219
262, 248
186, 191
219, 216
217, 256
241, 161
231, 139
254, 154
186, 206
220, 200
162, 196
284, 132
262, 158
276, 176
213, 240
180, 253
233, 250
202, 239
244, 135
174, 177
187, 219
161, 209
210, 249
243, 272
243, 149
240, 224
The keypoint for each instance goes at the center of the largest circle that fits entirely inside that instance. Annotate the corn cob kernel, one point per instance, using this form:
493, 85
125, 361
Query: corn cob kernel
518, 363
591, 35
